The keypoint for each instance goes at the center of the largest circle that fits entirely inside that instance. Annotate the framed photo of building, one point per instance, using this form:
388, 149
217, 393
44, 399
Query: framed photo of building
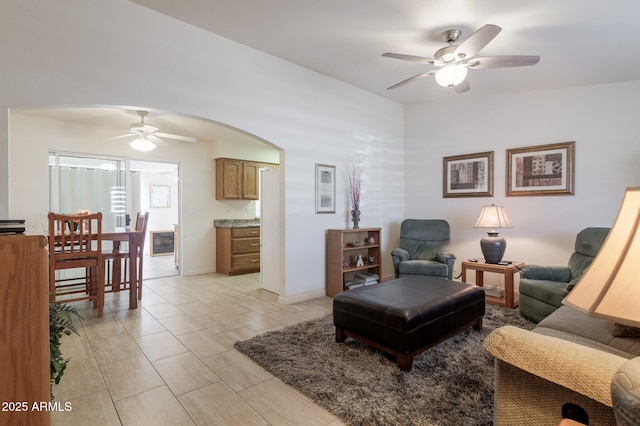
325, 188
469, 175
541, 170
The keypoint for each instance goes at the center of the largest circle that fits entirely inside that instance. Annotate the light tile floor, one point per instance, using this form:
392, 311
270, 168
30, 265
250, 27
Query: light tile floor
172, 361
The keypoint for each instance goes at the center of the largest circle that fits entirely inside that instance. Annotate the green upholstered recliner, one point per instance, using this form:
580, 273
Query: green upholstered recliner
542, 288
422, 242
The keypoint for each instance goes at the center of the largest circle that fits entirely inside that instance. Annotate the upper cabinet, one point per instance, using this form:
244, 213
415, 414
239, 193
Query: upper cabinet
250, 185
236, 179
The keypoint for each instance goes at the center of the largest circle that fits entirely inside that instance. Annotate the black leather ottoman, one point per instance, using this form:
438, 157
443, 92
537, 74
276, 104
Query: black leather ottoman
408, 315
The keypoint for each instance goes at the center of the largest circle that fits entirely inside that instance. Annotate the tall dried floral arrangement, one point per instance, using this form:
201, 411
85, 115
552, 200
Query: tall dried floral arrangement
355, 184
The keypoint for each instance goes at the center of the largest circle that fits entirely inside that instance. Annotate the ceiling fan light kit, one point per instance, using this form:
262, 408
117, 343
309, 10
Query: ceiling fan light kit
454, 61
142, 144
451, 75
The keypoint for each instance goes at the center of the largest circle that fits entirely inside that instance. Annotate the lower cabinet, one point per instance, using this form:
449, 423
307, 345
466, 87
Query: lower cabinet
238, 250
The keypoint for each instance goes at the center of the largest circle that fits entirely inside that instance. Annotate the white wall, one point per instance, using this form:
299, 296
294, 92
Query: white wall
91, 52
602, 120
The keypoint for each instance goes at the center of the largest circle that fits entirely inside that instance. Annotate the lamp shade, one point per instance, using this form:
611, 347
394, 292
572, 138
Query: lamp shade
610, 288
142, 144
493, 217
451, 75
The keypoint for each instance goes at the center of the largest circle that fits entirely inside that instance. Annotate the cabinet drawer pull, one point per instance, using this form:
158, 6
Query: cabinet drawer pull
255, 260
254, 244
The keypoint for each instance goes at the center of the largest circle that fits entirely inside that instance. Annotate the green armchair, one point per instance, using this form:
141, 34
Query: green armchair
542, 288
421, 251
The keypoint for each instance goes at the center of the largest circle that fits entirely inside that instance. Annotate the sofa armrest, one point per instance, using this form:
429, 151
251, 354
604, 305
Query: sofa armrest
547, 273
625, 392
576, 367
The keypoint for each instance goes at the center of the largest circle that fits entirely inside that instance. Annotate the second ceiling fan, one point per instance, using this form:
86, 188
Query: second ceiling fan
146, 134
454, 61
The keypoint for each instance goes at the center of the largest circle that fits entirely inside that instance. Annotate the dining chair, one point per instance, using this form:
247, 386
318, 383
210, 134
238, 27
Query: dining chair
117, 262
75, 258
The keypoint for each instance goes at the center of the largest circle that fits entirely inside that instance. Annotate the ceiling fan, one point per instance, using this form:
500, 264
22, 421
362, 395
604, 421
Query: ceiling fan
453, 61
146, 134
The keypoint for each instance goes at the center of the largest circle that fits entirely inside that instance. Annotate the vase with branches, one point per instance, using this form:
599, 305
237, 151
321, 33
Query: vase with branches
354, 181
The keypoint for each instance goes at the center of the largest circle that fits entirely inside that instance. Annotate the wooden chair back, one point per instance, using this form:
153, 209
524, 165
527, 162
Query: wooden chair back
74, 236
75, 242
142, 221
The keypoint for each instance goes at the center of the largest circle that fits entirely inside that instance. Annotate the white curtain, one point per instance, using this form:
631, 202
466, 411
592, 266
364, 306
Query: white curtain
95, 190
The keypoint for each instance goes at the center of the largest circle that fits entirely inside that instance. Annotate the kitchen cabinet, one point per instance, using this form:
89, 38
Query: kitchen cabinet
237, 179
238, 250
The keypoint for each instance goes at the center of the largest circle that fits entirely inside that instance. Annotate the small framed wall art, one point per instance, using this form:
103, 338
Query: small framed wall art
325, 188
541, 170
159, 196
469, 175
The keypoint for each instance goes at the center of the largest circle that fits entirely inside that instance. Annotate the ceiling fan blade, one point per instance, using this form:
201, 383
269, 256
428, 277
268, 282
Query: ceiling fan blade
462, 87
411, 58
476, 41
155, 139
121, 136
409, 80
505, 61
177, 137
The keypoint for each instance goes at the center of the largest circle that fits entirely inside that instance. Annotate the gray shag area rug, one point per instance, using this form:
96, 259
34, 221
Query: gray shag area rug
450, 383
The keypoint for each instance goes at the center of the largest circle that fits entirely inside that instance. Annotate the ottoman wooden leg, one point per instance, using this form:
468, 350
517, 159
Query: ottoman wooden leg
340, 336
478, 325
405, 362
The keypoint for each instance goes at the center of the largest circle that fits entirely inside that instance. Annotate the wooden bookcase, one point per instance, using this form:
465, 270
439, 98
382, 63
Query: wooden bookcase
341, 253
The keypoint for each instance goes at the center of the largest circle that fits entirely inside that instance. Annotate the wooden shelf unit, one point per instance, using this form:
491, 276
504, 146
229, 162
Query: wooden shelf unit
24, 329
341, 252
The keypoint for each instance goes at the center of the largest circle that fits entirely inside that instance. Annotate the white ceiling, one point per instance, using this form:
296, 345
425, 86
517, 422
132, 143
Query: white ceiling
580, 42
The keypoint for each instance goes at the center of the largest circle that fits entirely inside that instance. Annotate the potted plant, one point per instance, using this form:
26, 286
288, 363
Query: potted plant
60, 322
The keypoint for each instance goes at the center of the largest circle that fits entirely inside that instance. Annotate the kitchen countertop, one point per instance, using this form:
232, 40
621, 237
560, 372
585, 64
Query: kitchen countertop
236, 223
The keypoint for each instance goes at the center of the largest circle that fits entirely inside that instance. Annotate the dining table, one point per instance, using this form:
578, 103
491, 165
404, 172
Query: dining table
133, 238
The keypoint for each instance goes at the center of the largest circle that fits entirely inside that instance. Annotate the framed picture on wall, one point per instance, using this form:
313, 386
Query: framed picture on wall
159, 196
541, 170
469, 175
325, 188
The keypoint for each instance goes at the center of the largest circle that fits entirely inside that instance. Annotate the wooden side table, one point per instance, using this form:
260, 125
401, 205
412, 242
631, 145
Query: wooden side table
510, 299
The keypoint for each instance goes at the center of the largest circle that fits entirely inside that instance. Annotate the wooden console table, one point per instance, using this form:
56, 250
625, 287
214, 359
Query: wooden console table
511, 298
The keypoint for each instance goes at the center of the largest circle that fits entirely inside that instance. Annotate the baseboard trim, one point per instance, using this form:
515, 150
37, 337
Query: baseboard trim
302, 297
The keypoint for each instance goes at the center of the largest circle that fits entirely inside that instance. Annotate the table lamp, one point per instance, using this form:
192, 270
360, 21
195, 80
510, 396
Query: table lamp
610, 289
492, 245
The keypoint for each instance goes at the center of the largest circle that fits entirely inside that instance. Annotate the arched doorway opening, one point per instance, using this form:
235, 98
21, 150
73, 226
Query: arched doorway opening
97, 131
